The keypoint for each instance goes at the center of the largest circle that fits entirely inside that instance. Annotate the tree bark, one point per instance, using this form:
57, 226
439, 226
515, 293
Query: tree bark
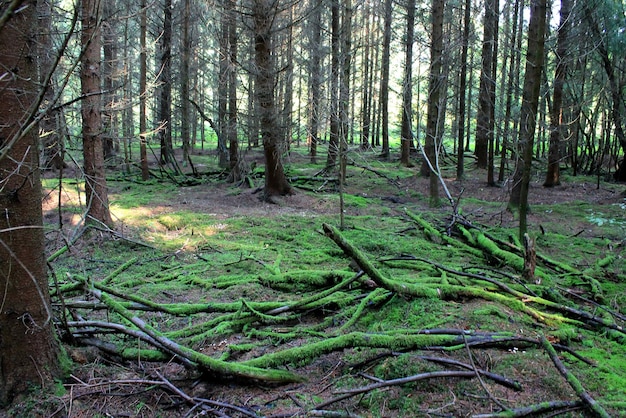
460, 166
435, 111
528, 115
384, 80
556, 113
406, 136
28, 348
143, 66
264, 14
165, 80
486, 95
95, 178
315, 80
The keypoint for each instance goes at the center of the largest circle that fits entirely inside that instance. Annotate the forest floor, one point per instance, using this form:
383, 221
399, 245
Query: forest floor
217, 243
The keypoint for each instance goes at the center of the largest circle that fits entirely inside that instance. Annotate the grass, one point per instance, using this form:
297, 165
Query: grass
225, 254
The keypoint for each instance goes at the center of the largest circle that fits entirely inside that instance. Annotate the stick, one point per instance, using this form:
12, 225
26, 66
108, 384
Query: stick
573, 381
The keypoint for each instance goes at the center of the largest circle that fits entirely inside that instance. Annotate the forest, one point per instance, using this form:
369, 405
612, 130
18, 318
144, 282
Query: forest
333, 208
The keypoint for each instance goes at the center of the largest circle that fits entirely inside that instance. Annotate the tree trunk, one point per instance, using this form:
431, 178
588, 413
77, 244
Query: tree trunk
143, 65
435, 85
556, 113
384, 80
233, 142
29, 351
185, 74
486, 95
93, 155
264, 14
406, 130
52, 137
333, 144
460, 166
165, 80
367, 84
528, 115
109, 110
315, 80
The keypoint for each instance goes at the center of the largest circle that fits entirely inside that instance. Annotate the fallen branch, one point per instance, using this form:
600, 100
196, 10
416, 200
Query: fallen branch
573, 381
394, 382
210, 364
541, 408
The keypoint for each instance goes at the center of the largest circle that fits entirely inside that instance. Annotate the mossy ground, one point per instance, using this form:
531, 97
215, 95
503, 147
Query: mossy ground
215, 243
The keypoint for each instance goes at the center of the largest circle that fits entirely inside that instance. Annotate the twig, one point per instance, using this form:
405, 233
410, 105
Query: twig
533, 410
480, 379
393, 382
573, 381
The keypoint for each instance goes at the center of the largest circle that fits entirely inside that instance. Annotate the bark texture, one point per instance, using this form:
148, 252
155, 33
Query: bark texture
29, 353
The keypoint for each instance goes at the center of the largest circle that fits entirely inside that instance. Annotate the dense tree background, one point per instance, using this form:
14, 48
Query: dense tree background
336, 75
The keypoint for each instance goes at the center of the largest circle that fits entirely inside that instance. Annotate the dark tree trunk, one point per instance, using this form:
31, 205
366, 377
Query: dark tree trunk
556, 113
367, 84
264, 14
435, 85
315, 80
185, 75
486, 95
165, 80
93, 155
110, 143
528, 115
333, 143
233, 141
384, 80
143, 65
29, 352
406, 130
460, 166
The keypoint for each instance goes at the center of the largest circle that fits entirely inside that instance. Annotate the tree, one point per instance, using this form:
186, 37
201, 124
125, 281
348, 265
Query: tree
264, 14
335, 68
28, 348
435, 87
460, 167
315, 77
406, 130
384, 79
528, 114
486, 95
165, 82
143, 70
93, 155
556, 112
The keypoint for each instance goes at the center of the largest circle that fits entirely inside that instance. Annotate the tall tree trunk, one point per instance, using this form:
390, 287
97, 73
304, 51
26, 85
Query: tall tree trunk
556, 112
233, 141
52, 135
460, 166
165, 80
528, 115
264, 14
486, 95
185, 74
315, 80
512, 83
435, 85
367, 84
333, 143
406, 130
143, 69
93, 155
384, 80
109, 110
29, 350
344, 85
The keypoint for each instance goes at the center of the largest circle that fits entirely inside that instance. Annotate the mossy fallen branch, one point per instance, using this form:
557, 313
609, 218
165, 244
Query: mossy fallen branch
205, 362
596, 408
